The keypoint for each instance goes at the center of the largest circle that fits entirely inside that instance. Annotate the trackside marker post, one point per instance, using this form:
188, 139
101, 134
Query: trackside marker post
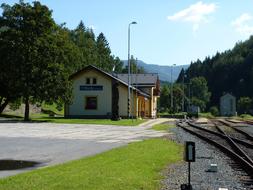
189, 157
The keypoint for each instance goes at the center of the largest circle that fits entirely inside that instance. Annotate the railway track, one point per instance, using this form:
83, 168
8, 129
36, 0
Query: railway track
242, 132
237, 149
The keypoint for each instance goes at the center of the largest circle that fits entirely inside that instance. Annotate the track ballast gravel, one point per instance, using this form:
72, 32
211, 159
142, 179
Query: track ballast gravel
206, 154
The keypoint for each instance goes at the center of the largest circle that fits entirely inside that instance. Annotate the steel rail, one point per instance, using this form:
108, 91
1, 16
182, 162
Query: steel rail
250, 137
235, 146
242, 142
245, 165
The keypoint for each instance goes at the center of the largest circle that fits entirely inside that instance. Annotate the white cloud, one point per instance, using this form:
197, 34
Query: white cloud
195, 14
244, 24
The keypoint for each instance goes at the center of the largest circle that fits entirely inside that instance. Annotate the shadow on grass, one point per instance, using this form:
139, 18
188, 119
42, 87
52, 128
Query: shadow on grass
5, 118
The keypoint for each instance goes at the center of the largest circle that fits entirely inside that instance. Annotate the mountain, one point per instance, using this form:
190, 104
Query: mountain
164, 72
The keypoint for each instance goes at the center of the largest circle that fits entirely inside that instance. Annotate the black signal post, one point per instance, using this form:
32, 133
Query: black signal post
189, 157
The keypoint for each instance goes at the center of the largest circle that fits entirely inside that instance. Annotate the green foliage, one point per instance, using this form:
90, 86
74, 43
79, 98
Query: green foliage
134, 68
246, 116
181, 76
42, 50
245, 104
15, 104
165, 98
37, 56
105, 60
199, 92
53, 108
230, 71
164, 101
214, 111
177, 98
206, 115
95, 51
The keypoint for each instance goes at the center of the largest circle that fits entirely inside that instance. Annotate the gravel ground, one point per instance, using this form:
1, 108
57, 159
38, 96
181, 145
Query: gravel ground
206, 154
248, 129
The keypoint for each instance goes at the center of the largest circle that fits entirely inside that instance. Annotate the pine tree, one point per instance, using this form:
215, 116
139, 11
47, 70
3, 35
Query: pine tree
105, 60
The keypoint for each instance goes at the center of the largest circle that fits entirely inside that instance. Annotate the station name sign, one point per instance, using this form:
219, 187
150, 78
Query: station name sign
91, 88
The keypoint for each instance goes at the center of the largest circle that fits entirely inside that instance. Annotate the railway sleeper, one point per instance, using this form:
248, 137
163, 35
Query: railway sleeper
247, 167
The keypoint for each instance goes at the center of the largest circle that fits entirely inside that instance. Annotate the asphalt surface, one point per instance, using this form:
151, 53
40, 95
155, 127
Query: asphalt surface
52, 144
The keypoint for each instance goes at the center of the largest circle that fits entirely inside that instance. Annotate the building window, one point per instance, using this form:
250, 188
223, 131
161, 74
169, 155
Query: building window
94, 81
87, 80
91, 103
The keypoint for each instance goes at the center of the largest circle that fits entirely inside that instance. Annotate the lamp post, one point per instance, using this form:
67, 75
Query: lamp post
183, 93
136, 86
171, 100
128, 96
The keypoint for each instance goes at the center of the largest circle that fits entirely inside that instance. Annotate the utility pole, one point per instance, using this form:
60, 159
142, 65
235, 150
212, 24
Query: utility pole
128, 95
132, 84
136, 86
183, 94
171, 100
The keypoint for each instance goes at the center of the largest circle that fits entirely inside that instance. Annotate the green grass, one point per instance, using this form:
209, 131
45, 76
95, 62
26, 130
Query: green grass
135, 166
53, 108
41, 117
243, 117
162, 127
206, 115
172, 114
123, 122
11, 116
246, 117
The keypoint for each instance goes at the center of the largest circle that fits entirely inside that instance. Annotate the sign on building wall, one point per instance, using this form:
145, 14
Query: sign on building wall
91, 88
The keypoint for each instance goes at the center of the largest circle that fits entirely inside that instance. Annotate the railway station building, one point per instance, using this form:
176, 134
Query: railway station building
94, 94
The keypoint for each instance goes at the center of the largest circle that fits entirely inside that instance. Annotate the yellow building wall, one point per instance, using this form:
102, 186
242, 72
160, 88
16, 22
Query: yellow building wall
123, 101
104, 97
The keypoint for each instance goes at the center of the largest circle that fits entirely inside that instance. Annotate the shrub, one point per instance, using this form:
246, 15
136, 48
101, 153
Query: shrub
214, 111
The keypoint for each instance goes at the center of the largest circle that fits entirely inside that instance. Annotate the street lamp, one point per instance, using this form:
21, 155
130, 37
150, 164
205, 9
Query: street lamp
128, 96
183, 92
171, 100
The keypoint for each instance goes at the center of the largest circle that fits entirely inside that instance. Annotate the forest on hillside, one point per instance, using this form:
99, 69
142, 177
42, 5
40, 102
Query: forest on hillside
227, 72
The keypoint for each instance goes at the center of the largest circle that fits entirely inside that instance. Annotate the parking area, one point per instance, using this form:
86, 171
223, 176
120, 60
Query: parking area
50, 143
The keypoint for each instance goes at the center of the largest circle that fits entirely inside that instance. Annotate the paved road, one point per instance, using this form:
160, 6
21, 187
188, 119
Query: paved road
51, 143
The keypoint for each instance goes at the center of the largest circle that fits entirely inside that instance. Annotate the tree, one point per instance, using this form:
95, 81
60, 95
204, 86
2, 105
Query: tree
42, 50
115, 100
118, 65
229, 71
199, 92
244, 105
84, 38
164, 102
105, 60
134, 67
177, 97
9, 72
180, 78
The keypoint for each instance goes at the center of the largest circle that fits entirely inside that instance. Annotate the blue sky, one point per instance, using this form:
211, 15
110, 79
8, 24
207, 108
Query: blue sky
168, 31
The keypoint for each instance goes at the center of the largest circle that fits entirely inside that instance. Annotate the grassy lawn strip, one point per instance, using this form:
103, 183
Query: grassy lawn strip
40, 117
135, 166
124, 122
162, 127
